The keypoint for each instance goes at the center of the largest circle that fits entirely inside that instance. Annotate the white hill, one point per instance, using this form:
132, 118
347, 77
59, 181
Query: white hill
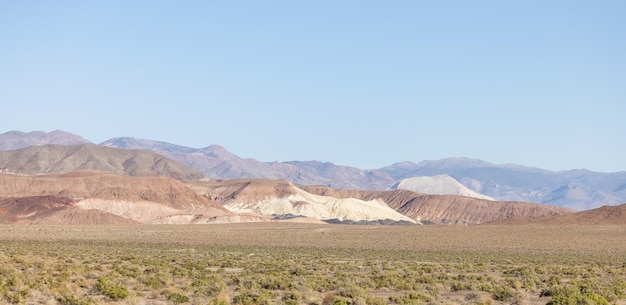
437, 185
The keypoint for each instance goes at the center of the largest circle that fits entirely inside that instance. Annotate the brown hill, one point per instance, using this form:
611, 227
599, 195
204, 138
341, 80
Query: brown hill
90, 197
445, 209
94, 184
605, 215
60, 159
248, 190
22, 210
53, 210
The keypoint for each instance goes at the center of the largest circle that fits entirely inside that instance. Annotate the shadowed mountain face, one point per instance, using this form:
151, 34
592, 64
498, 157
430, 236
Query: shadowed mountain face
61, 159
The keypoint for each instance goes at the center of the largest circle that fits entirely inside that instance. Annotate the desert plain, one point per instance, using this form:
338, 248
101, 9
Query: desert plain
295, 263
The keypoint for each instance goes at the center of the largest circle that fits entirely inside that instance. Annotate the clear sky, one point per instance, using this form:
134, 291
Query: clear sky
360, 83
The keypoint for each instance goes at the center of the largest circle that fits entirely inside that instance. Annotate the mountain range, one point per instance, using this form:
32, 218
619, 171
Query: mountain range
100, 197
576, 189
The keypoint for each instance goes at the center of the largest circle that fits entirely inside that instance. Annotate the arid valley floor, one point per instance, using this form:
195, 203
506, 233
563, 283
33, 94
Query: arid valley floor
287, 263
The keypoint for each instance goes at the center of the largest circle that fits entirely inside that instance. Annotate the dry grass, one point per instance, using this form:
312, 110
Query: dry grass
310, 264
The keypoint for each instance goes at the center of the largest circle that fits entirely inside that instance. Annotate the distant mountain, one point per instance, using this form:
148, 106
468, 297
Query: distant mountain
437, 185
326, 173
61, 159
216, 162
16, 139
445, 209
213, 161
576, 189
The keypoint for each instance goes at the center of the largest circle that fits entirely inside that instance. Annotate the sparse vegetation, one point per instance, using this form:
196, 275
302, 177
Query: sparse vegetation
309, 264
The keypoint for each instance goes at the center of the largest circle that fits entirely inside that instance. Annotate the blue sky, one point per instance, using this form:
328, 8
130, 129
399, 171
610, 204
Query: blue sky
361, 83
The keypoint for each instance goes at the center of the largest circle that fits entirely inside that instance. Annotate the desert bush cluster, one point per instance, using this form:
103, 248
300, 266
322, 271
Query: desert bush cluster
79, 269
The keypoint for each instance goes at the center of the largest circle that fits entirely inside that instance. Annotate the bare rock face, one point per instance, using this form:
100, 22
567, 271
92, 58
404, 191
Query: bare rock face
445, 209
60, 159
280, 199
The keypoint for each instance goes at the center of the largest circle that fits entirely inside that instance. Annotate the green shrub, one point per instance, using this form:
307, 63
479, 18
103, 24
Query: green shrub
68, 299
249, 298
110, 289
578, 299
458, 286
177, 298
503, 294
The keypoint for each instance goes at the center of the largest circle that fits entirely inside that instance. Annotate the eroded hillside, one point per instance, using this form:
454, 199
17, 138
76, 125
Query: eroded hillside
445, 209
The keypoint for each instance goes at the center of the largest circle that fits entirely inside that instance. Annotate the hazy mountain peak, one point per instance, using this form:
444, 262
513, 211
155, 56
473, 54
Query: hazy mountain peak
405, 164
17, 139
216, 151
455, 162
137, 143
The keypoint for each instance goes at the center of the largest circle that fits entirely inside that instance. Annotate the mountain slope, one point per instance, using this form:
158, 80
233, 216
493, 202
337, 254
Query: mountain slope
217, 163
16, 139
135, 199
437, 185
445, 209
280, 198
60, 159
104, 185
53, 210
213, 161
